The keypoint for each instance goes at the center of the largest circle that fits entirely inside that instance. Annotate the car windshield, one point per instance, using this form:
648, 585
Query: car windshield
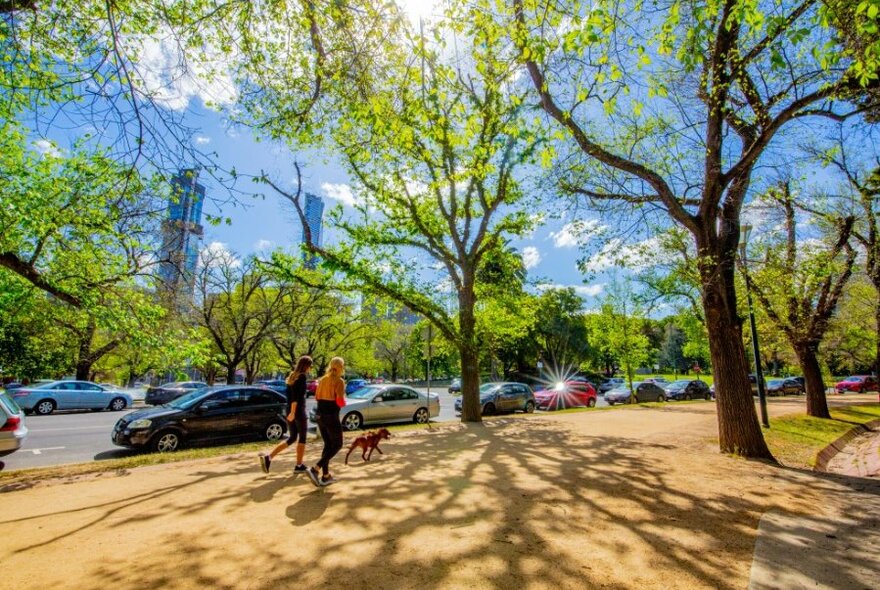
51, 385
680, 383
853, 379
187, 401
623, 388
364, 392
775, 382
487, 387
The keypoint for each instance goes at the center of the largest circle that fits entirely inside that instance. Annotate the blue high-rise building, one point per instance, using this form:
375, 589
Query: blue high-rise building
182, 232
314, 213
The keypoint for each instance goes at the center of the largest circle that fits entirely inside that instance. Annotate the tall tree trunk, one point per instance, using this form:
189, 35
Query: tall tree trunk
877, 324
230, 373
471, 411
83, 369
817, 404
738, 429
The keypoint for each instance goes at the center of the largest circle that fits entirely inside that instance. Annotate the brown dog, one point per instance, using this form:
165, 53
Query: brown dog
368, 442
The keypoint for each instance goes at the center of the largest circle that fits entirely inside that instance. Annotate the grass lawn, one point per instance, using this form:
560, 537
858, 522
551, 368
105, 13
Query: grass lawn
795, 440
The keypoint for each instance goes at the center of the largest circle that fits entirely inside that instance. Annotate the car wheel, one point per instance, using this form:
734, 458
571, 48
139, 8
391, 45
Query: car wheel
421, 416
661, 398
591, 403
488, 409
118, 404
274, 431
44, 407
352, 421
687, 397
530, 407
166, 441
610, 403
708, 397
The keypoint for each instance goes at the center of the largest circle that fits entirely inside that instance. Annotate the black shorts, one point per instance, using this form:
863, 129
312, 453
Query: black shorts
299, 428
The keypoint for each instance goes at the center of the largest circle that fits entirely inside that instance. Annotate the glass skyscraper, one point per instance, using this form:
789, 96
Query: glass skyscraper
314, 212
182, 232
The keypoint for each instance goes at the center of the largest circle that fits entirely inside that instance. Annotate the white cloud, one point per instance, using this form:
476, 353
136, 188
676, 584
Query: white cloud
217, 254
341, 193
530, 257
263, 245
202, 139
47, 148
577, 233
589, 290
635, 257
582, 290
172, 81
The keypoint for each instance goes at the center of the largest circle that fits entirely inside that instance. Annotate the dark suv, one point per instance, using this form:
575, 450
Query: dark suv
214, 413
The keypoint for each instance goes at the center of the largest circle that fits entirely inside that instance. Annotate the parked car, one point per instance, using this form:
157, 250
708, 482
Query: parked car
455, 386
13, 385
503, 397
687, 389
353, 385
162, 394
204, 415
279, 385
644, 392
70, 395
311, 387
574, 393
857, 383
784, 387
661, 381
610, 383
753, 380
801, 380
380, 404
13, 430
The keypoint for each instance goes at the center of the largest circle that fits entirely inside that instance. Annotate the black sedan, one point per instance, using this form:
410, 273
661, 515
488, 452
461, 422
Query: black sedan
208, 414
687, 389
162, 394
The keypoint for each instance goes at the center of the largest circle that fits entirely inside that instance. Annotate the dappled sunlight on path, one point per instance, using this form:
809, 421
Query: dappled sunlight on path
616, 499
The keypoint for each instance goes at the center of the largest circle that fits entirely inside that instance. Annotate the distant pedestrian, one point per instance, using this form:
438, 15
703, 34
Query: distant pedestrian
330, 396
296, 416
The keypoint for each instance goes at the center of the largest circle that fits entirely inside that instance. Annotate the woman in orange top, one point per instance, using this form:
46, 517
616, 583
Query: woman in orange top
330, 396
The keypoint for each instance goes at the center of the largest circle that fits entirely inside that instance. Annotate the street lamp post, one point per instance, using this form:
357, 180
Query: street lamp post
759, 373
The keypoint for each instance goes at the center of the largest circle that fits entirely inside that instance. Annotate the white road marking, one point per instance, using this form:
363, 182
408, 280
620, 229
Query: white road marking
40, 451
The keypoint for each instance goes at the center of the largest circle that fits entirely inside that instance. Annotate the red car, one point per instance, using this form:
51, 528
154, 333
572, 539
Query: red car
570, 394
311, 387
857, 383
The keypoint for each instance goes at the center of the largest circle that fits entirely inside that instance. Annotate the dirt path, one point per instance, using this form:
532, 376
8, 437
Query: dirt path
630, 498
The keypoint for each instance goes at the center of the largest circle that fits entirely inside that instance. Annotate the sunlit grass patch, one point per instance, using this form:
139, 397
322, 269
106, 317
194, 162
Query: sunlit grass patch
796, 439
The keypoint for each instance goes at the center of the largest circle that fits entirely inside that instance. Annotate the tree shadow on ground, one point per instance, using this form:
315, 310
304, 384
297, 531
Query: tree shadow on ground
509, 503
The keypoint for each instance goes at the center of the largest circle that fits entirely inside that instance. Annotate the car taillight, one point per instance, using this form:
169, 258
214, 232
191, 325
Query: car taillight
12, 423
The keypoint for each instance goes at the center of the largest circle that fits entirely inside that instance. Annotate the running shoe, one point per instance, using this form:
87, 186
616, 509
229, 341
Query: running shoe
327, 480
265, 462
313, 475
300, 468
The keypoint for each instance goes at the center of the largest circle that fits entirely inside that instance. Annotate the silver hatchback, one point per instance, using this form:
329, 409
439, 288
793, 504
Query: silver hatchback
12, 425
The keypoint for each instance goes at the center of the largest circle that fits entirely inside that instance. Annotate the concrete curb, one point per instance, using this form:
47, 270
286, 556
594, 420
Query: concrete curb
825, 456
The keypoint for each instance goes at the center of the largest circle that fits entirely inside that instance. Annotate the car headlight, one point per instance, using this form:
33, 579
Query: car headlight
142, 423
